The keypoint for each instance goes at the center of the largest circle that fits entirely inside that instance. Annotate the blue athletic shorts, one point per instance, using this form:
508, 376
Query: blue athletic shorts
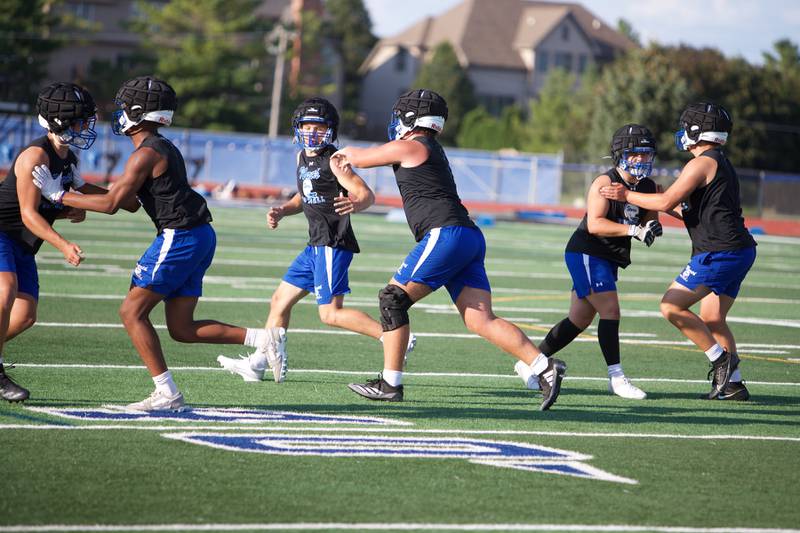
451, 256
175, 263
13, 258
590, 274
321, 270
722, 272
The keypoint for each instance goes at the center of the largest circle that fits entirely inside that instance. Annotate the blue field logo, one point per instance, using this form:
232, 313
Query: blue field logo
516, 455
112, 413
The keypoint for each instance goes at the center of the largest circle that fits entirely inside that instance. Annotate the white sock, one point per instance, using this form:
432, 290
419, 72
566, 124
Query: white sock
714, 353
736, 377
615, 371
539, 364
254, 337
165, 384
393, 377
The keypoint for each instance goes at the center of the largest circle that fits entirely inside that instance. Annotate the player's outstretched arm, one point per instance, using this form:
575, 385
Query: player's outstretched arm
139, 167
292, 207
695, 174
359, 195
131, 204
404, 153
29, 197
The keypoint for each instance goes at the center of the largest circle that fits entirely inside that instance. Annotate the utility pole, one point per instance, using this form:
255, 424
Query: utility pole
279, 50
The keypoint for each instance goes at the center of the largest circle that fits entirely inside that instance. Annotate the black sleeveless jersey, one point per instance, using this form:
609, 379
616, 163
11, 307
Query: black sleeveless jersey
318, 187
614, 249
168, 199
430, 197
10, 217
713, 213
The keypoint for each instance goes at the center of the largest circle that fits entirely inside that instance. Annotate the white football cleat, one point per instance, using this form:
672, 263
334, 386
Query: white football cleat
275, 350
621, 386
524, 371
241, 366
159, 401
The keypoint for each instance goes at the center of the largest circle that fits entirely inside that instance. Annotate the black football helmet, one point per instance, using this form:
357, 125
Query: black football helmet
420, 108
703, 121
633, 139
143, 98
69, 111
318, 110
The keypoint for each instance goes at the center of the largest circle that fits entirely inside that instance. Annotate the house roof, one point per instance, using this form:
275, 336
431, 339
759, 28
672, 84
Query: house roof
490, 32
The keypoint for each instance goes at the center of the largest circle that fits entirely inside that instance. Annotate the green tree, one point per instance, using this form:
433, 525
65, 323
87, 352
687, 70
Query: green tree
445, 75
212, 52
558, 120
350, 30
626, 28
481, 130
26, 40
641, 87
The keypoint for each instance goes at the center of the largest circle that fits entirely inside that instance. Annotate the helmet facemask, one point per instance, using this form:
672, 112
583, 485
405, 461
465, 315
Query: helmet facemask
312, 139
638, 169
79, 133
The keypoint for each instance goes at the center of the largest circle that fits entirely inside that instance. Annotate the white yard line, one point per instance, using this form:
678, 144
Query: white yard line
752, 347
393, 526
329, 429
86, 366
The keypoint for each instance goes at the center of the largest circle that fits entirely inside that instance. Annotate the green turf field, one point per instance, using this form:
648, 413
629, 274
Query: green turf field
468, 449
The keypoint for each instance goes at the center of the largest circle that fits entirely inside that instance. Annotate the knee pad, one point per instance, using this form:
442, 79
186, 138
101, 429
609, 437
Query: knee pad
394, 303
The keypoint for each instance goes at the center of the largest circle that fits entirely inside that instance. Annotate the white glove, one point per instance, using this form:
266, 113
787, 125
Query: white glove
51, 187
647, 233
77, 180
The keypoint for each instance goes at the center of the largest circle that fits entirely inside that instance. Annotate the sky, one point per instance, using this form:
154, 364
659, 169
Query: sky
736, 27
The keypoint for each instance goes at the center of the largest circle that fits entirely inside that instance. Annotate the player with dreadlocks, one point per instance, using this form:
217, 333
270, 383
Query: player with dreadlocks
599, 247
450, 249
172, 268
67, 111
327, 193
723, 251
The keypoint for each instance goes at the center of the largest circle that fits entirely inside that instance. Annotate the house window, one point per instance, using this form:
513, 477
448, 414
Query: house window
564, 60
582, 62
81, 10
541, 61
565, 32
495, 103
401, 60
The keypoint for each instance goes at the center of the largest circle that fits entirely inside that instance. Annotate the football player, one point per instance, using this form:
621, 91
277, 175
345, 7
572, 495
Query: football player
599, 247
450, 249
723, 251
67, 111
172, 268
327, 193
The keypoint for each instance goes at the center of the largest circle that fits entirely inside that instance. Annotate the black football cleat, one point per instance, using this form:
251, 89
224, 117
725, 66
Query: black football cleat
735, 391
550, 382
10, 391
720, 373
378, 389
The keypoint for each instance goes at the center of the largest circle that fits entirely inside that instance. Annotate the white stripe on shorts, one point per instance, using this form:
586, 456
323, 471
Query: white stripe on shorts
169, 234
428, 249
588, 272
329, 267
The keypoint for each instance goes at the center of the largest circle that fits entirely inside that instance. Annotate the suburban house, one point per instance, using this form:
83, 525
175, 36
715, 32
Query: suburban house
507, 47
